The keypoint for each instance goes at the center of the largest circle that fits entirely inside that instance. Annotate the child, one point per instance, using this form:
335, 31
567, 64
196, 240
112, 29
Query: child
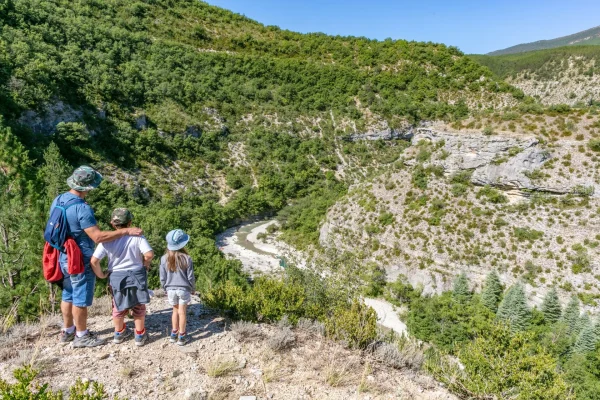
129, 259
177, 277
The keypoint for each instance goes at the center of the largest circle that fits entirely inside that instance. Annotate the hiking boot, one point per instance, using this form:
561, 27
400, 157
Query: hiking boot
66, 337
141, 340
173, 338
88, 340
184, 339
121, 336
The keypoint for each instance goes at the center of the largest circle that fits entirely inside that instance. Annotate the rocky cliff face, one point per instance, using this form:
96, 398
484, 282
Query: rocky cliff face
507, 161
473, 202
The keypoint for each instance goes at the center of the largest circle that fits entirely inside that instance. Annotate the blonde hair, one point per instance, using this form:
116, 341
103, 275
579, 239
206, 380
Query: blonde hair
177, 260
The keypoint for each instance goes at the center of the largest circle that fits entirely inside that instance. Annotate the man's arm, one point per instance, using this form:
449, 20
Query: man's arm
148, 256
99, 236
97, 269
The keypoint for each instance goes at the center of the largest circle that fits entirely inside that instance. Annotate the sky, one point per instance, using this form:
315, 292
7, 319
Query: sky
473, 26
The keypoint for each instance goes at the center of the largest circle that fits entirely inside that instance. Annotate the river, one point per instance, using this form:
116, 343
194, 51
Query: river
262, 257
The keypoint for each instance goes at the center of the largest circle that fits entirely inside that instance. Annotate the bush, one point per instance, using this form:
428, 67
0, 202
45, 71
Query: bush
405, 354
527, 234
355, 325
594, 144
492, 195
503, 365
282, 339
24, 389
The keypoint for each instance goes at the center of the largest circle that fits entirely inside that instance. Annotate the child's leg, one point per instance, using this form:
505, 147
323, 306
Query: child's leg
119, 323
182, 318
139, 317
118, 318
175, 318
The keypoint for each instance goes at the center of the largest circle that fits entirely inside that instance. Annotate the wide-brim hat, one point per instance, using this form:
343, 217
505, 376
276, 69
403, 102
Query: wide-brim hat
177, 239
84, 179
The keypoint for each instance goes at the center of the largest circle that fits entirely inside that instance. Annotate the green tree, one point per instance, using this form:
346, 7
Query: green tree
571, 315
503, 364
551, 307
54, 173
461, 289
587, 339
492, 291
513, 308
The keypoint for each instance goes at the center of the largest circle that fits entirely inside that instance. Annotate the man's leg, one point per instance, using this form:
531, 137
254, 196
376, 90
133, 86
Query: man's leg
67, 313
83, 295
66, 308
80, 315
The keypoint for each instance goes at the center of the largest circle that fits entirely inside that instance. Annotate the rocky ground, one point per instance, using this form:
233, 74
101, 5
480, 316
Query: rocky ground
223, 361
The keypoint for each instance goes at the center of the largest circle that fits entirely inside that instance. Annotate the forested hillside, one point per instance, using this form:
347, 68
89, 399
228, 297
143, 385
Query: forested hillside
199, 117
588, 37
565, 75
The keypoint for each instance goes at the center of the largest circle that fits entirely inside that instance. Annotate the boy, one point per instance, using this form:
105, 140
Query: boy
129, 259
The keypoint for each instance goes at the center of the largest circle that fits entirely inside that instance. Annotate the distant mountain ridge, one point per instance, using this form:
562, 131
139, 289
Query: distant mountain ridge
587, 37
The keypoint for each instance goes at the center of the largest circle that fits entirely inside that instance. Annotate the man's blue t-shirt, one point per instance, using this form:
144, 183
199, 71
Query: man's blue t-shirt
80, 217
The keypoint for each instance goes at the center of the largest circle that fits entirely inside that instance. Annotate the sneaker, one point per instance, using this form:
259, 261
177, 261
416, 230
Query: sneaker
184, 339
173, 338
88, 340
66, 337
141, 340
121, 336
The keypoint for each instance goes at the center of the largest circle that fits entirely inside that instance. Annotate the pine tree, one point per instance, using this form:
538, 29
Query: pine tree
551, 307
492, 291
513, 308
597, 328
583, 323
461, 287
586, 341
571, 315
54, 173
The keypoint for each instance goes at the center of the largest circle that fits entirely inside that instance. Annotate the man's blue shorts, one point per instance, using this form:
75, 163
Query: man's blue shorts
79, 288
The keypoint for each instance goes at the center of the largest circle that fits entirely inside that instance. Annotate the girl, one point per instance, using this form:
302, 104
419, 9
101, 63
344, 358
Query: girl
177, 278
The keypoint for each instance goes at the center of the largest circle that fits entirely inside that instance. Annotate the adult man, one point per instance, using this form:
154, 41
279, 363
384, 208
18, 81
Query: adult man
78, 290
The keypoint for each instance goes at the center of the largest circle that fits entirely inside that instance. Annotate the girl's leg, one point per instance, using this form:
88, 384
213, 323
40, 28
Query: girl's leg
182, 317
175, 318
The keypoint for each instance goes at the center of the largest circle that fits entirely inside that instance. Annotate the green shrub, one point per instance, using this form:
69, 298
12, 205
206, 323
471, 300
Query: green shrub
502, 365
355, 325
492, 195
594, 144
527, 234
24, 389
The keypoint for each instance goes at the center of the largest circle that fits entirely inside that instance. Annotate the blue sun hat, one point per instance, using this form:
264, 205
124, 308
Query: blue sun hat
177, 239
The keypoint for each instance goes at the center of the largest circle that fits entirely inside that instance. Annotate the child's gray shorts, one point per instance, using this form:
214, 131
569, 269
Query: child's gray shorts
179, 296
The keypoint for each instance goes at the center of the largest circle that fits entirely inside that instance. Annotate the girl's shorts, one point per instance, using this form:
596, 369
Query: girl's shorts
179, 296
